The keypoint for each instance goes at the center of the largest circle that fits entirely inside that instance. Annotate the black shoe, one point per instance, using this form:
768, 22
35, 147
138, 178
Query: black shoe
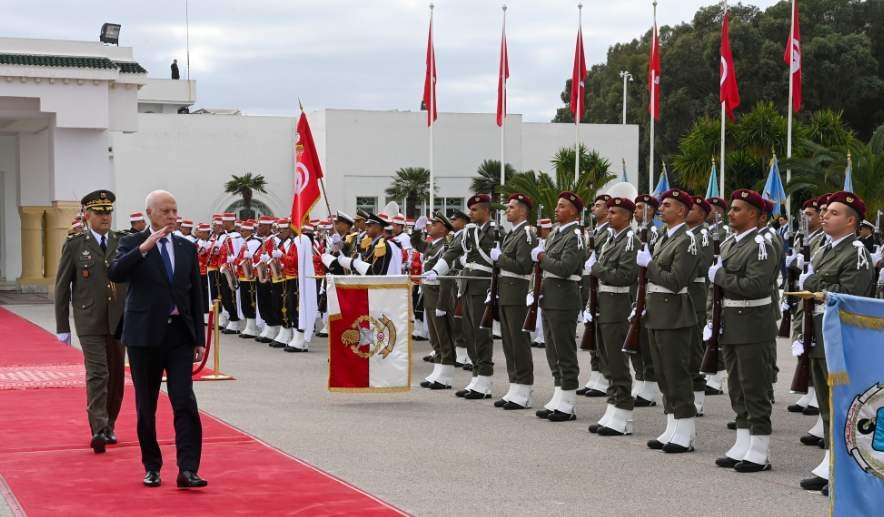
292, 349
429, 358
814, 484
825, 490
418, 338
461, 393
509, 406
425, 384
674, 448
795, 408
98, 443
607, 431
543, 413
277, 344
809, 439
582, 391
152, 479
322, 334
458, 365
499, 403
595, 393
475, 395
748, 466
655, 444
811, 411
109, 437
732, 425
594, 428
263, 339
643, 402
467, 367
822, 445
559, 416
726, 462
699, 414
537, 344
436, 385
189, 479
228, 331
713, 391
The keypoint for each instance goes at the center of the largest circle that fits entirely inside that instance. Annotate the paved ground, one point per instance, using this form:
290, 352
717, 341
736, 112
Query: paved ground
431, 453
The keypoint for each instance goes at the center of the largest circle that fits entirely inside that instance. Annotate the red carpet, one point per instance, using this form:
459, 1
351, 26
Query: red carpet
47, 468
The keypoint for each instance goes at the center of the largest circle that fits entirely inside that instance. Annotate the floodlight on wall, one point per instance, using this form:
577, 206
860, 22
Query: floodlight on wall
110, 33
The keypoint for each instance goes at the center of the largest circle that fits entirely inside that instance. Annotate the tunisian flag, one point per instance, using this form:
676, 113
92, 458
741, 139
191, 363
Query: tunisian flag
728, 92
502, 76
307, 174
578, 87
654, 76
430, 79
369, 343
793, 59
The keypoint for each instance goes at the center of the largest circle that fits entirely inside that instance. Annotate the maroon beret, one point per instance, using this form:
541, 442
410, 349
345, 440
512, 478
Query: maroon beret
812, 203
679, 195
602, 197
621, 202
478, 198
648, 200
751, 197
823, 200
522, 198
717, 201
850, 199
572, 198
698, 200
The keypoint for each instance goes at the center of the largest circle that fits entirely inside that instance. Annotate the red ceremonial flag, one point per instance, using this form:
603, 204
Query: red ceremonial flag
654, 76
307, 174
502, 76
430, 80
578, 88
728, 94
793, 59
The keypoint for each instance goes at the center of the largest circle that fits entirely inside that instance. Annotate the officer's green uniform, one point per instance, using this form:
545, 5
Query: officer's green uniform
439, 326
697, 289
477, 243
600, 236
642, 362
450, 289
513, 284
617, 272
779, 249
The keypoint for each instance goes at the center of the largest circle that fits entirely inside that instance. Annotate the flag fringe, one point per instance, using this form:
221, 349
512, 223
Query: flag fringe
861, 320
838, 378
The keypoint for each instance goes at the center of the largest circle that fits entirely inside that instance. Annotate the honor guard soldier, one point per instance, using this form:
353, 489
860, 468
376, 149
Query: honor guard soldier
645, 391
437, 310
203, 248
544, 227
615, 268
227, 246
344, 228
698, 290
285, 280
267, 295
561, 259
717, 230
513, 257
187, 230
451, 289
842, 265
744, 271
82, 281
597, 385
670, 319
245, 271
136, 223
778, 246
375, 259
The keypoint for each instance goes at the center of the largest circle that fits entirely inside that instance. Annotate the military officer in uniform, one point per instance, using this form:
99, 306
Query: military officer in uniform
247, 280
82, 281
136, 223
645, 390
671, 318
451, 288
717, 230
374, 259
597, 385
544, 227
744, 271
697, 289
561, 260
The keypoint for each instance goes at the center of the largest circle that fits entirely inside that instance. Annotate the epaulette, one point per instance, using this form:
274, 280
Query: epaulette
76, 236
380, 249
762, 249
579, 234
705, 233
366, 242
630, 240
692, 247
350, 238
862, 256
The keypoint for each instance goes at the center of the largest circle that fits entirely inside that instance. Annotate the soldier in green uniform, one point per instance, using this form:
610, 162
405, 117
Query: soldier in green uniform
719, 230
776, 241
615, 268
697, 289
561, 258
744, 273
597, 385
842, 265
514, 260
645, 390
82, 281
450, 288
671, 318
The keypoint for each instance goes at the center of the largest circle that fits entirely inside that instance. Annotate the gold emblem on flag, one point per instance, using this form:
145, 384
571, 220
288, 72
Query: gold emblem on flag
370, 336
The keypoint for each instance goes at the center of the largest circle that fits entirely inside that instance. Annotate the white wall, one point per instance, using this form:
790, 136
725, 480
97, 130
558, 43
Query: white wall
10, 222
81, 163
35, 160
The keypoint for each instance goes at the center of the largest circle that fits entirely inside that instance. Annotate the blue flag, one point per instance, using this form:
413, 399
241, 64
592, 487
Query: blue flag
662, 183
773, 188
712, 186
848, 175
853, 332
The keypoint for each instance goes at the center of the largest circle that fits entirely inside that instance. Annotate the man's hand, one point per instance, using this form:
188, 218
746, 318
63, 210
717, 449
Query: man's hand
64, 337
713, 270
643, 257
430, 275
495, 252
590, 262
151, 241
198, 353
536, 253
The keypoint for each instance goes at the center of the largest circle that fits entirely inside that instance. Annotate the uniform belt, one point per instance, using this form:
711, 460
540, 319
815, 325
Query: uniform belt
614, 289
654, 288
758, 302
700, 280
508, 274
573, 278
478, 267
819, 308
430, 282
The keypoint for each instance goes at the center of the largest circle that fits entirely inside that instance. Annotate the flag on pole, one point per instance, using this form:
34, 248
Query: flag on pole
654, 71
430, 80
793, 59
853, 330
662, 183
307, 173
712, 186
848, 175
773, 187
369, 344
728, 92
502, 76
578, 77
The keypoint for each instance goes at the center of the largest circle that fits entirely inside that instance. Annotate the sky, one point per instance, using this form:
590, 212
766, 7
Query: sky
260, 56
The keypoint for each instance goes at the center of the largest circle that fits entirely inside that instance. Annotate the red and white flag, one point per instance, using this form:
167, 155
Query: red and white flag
578, 77
793, 59
502, 76
307, 174
728, 92
369, 344
430, 79
654, 76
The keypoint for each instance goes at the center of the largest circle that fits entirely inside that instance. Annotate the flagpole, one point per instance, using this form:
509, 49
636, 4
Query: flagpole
502, 78
721, 151
432, 107
789, 117
653, 112
321, 179
579, 106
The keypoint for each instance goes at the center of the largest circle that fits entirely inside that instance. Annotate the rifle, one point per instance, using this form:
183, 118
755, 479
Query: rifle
794, 240
530, 323
632, 343
587, 342
710, 356
801, 378
491, 308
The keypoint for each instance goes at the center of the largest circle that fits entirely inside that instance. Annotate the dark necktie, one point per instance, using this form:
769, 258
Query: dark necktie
167, 262
103, 244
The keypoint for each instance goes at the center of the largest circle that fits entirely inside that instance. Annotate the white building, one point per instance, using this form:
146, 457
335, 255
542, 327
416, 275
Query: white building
78, 116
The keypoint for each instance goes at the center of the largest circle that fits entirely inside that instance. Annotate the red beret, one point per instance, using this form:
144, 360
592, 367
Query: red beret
823, 200
699, 200
751, 197
522, 198
572, 198
717, 201
621, 202
478, 198
602, 197
850, 199
812, 203
648, 200
679, 195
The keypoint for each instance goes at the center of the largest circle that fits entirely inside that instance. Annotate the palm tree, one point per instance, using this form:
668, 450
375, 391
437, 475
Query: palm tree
245, 186
827, 127
488, 176
760, 132
411, 184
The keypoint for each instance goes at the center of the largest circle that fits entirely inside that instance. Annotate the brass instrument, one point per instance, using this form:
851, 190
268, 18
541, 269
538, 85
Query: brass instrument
262, 271
277, 274
248, 269
229, 272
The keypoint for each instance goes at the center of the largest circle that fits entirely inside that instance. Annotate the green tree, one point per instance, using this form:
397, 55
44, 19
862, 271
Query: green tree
412, 185
487, 178
245, 186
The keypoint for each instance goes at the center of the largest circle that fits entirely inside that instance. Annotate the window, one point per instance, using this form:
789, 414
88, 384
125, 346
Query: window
367, 203
452, 204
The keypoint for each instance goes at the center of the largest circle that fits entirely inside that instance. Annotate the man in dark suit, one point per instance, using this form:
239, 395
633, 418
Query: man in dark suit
162, 330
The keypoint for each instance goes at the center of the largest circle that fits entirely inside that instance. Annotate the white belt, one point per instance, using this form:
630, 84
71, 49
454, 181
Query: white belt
758, 302
508, 274
478, 267
654, 288
614, 289
573, 278
430, 282
700, 280
819, 308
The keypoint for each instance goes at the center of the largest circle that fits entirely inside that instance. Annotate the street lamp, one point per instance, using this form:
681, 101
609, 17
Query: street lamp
626, 77
110, 34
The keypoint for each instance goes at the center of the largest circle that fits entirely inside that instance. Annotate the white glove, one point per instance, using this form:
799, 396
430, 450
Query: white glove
587, 316
345, 262
488, 297
360, 265
707, 332
529, 300
643, 257
797, 348
791, 258
881, 276
803, 277
277, 254
440, 313
430, 275
785, 306
713, 269
463, 260
535, 252
495, 253
421, 223
876, 256
64, 337
327, 259
587, 266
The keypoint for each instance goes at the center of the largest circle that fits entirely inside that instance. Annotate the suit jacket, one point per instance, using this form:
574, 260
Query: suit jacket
82, 280
151, 296
516, 258
616, 267
673, 267
564, 255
